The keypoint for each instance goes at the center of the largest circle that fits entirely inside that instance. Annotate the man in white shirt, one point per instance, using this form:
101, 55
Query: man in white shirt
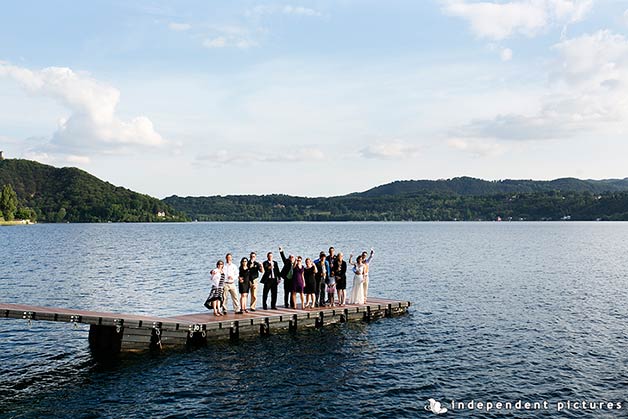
231, 279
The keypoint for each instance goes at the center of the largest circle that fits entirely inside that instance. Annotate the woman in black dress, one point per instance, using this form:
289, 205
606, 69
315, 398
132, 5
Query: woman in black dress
309, 274
298, 284
244, 284
339, 270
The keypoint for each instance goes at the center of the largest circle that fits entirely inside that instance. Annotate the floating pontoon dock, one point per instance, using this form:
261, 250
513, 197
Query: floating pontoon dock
111, 333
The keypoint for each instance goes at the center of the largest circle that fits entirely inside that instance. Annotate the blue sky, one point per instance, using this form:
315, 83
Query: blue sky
315, 98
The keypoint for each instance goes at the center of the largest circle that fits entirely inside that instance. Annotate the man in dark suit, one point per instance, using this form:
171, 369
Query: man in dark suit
270, 279
286, 274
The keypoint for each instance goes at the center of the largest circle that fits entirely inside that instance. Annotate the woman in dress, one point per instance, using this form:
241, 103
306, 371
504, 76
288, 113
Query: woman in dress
218, 282
309, 275
244, 284
298, 283
357, 292
339, 271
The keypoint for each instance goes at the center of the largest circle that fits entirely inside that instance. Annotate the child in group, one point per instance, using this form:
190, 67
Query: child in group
331, 290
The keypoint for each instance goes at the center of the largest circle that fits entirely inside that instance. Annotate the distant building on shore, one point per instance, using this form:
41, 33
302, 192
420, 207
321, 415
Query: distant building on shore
1, 158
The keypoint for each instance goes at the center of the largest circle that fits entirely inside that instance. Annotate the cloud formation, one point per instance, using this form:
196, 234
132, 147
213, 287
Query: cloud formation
476, 147
506, 54
392, 150
588, 93
298, 10
498, 21
92, 125
225, 157
286, 10
226, 36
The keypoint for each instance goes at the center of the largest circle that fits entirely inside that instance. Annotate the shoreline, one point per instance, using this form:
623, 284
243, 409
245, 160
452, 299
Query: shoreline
17, 223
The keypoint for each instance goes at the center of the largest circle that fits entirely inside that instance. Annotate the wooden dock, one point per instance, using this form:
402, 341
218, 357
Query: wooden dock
111, 333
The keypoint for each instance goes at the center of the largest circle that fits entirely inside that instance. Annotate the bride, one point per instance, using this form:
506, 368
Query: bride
357, 292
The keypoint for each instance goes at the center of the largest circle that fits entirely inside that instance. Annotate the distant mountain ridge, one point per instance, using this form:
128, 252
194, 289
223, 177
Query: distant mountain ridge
73, 195
462, 198
468, 186
69, 194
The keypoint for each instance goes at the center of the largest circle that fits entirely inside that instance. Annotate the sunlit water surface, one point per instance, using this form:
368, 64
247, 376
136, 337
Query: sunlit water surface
501, 312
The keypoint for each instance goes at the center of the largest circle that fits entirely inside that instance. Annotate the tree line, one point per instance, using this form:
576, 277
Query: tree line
538, 206
9, 206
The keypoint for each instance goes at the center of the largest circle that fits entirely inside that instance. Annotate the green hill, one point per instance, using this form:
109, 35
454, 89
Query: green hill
468, 186
456, 199
72, 195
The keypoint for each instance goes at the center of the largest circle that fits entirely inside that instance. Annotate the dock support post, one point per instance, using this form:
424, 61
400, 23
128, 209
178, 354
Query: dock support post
234, 331
264, 328
105, 340
319, 321
155, 337
367, 314
388, 311
292, 327
344, 317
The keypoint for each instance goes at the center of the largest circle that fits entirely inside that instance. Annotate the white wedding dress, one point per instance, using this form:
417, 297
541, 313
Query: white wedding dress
357, 292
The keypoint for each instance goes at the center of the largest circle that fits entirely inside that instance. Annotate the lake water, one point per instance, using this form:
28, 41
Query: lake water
502, 312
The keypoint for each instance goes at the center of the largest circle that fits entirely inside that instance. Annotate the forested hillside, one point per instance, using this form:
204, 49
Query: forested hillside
554, 205
468, 186
73, 195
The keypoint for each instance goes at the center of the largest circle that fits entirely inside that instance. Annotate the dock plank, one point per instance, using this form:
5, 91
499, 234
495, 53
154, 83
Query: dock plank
186, 321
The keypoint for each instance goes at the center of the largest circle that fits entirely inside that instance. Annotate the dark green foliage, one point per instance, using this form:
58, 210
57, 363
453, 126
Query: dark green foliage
468, 186
72, 195
8, 202
24, 213
553, 205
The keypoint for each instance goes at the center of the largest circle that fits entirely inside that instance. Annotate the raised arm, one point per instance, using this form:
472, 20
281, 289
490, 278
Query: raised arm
283, 256
370, 256
350, 258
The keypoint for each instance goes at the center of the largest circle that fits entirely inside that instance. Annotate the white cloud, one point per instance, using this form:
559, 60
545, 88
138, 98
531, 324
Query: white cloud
226, 157
40, 157
588, 94
287, 9
297, 10
232, 36
78, 159
224, 42
526, 17
506, 54
179, 27
92, 124
392, 150
478, 147
218, 42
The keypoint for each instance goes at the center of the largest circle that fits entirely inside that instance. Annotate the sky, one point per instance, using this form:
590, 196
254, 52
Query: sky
315, 98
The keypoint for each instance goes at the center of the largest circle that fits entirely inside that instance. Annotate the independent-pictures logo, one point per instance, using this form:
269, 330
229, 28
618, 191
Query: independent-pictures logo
589, 406
435, 407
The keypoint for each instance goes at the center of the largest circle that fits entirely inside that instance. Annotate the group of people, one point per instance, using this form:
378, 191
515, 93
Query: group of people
316, 282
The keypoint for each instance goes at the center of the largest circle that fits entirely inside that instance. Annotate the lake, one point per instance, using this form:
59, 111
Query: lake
502, 313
